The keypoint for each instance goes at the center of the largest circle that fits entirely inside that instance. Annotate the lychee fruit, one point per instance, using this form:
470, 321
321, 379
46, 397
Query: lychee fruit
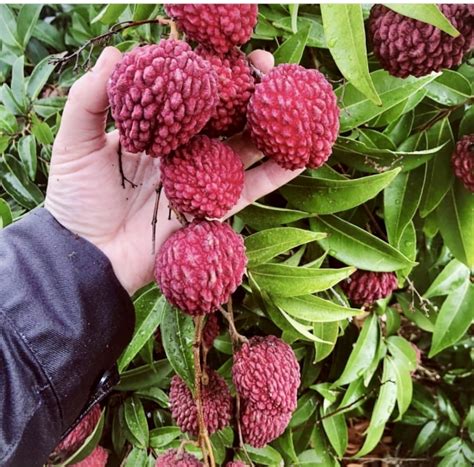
463, 161
260, 427
175, 458
235, 85
200, 266
75, 439
203, 178
160, 96
216, 399
293, 117
211, 330
97, 458
266, 374
405, 46
366, 287
219, 27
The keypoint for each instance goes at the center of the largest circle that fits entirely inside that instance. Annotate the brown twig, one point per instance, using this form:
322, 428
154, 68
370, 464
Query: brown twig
122, 174
388, 460
203, 438
154, 220
104, 38
236, 338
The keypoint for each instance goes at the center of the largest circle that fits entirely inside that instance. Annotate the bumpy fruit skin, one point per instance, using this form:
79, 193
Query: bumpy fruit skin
161, 96
260, 427
405, 46
171, 458
366, 287
219, 27
266, 373
463, 161
293, 117
200, 266
97, 458
211, 330
235, 86
74, 440
217, 404
203, 178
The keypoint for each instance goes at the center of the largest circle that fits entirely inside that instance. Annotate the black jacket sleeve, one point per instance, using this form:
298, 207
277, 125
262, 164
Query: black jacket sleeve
64, 320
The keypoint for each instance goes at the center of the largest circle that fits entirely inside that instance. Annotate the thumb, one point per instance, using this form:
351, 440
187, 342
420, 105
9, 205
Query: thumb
85, 112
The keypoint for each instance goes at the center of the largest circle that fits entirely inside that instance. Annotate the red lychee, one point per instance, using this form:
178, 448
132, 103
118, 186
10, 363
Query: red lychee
293, 117
203, 178
161, 96
366, 287
266, 374
405, 46
260, 427
97, 458
235, 86
75, 439
216, 399
174, 458
200, 266
219, 27
463, 161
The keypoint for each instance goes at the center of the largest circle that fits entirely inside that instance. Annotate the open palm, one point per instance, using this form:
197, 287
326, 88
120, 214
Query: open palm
85, 192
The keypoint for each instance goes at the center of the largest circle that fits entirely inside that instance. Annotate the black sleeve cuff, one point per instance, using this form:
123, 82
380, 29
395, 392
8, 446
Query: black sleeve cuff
64, 320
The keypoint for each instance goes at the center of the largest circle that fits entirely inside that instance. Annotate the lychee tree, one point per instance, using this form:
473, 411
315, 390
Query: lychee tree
328, 322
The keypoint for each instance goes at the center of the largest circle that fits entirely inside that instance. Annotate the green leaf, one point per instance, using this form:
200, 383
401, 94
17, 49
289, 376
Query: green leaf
450, 447
402, 351
345, 35
451, 88
454, 318
266, 244
335, 428
18, 82
49, 106
154, 394
177, 334
8, 26
455, 221
143, 11
39, 77
399, 129
8, 123
27, 153
305, 409
262, 217
292, 49
401, 201
383, 408
27, 19
466, 126
316, 36
325, 196
404, 385
161, 437
110, 13
440, 174
8, 99
150, 309
363, 352
314, 309
137, 458
17, 184
327, 332
5, 214
294, 17
302, 330
358, 109
265, 456
290, 281
352, 245
426, 438
145, 376
430, 14
41, 130
136, 422
453, 276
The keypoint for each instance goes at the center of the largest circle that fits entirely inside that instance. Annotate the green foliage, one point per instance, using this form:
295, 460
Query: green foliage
386, 200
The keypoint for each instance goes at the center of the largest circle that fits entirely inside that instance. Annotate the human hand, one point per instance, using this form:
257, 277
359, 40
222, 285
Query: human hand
85, 192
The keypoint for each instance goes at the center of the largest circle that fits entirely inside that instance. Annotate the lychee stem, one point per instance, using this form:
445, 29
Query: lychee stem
122, 175
203, 437
155, 216
236, 338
